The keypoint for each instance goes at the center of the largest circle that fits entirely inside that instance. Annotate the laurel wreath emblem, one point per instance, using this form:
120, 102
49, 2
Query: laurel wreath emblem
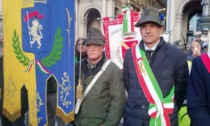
56, 52
18, 51
49, 60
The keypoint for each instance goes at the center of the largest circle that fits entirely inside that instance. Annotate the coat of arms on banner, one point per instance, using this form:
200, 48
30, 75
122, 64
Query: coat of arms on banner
39, 45
120, 34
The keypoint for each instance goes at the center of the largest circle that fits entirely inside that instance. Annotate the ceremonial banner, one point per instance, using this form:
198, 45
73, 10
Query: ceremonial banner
38, 43
120, 34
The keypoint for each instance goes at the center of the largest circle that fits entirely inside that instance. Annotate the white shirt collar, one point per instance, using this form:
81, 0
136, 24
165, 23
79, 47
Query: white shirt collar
153, 48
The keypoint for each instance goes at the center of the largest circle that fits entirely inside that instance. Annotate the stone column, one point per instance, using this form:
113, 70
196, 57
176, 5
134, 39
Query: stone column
83, 27
179, 27
110, 7
204, 22
104, 9
170, 19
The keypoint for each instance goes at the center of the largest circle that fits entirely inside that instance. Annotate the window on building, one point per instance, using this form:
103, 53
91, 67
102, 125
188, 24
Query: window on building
193, 22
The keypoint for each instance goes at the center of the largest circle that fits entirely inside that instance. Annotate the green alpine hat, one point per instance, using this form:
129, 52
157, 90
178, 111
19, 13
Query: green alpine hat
151, 14
95, 37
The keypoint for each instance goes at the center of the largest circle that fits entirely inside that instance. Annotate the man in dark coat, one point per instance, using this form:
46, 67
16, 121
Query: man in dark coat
198, 96
154, 72
104, 102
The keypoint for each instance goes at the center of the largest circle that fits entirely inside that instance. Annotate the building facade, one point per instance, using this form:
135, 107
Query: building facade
186, 17
90, 12
183, 19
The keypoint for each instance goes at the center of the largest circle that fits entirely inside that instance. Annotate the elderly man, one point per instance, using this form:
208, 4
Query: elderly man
195, 50
154, 72
103, 88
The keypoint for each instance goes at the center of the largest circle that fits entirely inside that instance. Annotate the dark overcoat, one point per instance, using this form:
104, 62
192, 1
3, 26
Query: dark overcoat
169, 65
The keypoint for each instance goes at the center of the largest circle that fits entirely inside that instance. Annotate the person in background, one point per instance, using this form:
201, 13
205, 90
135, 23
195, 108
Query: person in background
183, 117
205, 40
205, 47
197, 37
180, 44
80, 47
198, 97
195, 50
102, 86
155, 74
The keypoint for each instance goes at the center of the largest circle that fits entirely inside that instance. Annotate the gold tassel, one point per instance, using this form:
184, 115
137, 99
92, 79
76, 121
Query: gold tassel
79, 89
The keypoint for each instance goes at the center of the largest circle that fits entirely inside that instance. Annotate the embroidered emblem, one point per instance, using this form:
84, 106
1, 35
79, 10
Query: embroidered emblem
18, 51
11, 88
39, 103
34, 104
65, 90
118, 57
34, 31
141, 66
69, 25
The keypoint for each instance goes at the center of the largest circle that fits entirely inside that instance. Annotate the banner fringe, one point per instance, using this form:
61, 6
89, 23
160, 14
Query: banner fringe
12, 117
30, 124
66, 118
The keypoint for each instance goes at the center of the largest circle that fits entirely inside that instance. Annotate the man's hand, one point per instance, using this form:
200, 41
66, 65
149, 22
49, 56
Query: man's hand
196, 52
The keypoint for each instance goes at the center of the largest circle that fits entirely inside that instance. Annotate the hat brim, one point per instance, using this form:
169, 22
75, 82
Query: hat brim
94, 42
149, 19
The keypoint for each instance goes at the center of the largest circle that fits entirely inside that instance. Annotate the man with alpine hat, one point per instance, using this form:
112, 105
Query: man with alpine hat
102, 87
155, 74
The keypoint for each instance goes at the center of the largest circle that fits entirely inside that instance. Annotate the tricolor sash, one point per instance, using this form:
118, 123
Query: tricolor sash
159, 107
206, 61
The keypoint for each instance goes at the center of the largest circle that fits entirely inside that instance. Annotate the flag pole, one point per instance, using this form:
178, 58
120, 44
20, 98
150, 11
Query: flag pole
79, 86
29, 29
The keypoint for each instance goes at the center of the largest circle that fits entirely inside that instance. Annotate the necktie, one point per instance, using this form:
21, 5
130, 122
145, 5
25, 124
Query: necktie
149, 54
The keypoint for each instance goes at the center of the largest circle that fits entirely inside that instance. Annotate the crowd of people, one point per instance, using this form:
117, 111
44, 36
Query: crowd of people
152, 87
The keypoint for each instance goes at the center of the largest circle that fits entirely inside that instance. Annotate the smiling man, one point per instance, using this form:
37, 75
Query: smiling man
155, 76
103, 88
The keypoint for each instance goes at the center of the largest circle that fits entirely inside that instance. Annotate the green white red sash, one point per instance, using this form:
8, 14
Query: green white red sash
159, 107
206, 60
